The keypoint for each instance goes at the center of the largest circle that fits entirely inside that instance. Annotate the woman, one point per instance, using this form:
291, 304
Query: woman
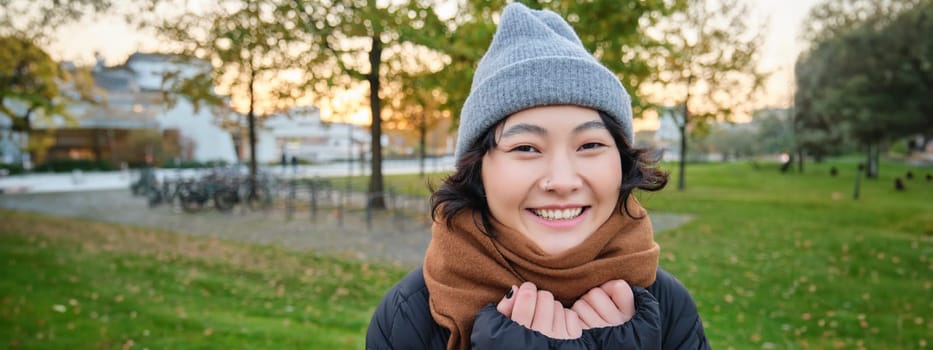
537, 241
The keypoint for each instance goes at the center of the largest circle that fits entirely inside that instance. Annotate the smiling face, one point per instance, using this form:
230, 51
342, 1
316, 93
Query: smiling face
554, 175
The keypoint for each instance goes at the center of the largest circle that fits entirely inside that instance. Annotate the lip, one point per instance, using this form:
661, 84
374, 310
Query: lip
560, 224
559, 206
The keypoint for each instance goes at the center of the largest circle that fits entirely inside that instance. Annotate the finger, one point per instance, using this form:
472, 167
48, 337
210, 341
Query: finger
559, 324
588, 316
508, 301
600, 301
573, 324
524, 309
544, 313
621, 294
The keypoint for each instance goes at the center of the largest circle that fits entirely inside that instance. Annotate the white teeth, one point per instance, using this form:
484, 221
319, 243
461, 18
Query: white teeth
558, 214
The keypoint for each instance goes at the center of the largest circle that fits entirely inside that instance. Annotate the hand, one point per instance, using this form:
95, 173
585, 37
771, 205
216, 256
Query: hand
610, 304
538, 310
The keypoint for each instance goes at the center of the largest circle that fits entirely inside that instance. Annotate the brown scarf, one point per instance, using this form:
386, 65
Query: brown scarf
465, 270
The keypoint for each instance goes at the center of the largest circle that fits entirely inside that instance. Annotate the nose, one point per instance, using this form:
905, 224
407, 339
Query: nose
562, 176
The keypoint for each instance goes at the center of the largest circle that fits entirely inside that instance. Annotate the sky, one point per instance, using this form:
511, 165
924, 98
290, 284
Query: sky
782, 44
115, 41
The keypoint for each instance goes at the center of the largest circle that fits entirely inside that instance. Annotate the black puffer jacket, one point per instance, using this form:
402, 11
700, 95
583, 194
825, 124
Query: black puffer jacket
666, 318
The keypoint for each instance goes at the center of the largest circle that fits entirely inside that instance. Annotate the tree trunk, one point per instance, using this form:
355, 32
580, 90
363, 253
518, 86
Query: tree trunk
422, 143
238, 143
251, 119
681, 181
23, 124
681, 178
800, 160
377, 201
871, 162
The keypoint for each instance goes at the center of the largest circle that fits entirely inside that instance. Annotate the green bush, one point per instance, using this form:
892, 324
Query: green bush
192, 164
12, 169
68, 165
900, 147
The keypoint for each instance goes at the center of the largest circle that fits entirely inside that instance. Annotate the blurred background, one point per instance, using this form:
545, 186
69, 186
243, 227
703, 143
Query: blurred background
255, 174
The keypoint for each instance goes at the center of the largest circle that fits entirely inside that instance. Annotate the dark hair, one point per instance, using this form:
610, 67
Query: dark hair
463, 190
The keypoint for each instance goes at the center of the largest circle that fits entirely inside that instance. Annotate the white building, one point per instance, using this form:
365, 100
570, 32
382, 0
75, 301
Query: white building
199, 128
130, 97
133, 96
301, 133
10, 143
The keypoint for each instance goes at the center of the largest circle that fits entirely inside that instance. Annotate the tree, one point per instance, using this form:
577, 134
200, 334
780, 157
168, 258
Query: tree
817, 129
29, 89
323, 46
356, 41
32, 85
415, 106
462, 40
29, 81
710, 56
29, 75
37, 19
774, 131
832, 18
246, 49
870, 79
727, 140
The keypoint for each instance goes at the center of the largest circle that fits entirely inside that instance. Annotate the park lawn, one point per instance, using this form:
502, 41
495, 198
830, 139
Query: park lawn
773, 260
408, 184
791, 261
75, 284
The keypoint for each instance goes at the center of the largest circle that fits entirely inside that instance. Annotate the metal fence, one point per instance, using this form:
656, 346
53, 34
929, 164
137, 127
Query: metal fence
311, 199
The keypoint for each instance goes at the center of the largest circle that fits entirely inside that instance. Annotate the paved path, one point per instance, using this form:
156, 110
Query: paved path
399, 238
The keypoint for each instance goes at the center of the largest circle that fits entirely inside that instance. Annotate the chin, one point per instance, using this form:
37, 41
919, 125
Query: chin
561, 248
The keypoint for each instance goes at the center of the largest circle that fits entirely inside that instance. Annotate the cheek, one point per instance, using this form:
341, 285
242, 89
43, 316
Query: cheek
504, 183
608, 178
608, 163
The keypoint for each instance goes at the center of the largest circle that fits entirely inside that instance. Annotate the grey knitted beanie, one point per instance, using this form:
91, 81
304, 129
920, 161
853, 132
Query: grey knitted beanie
536, 59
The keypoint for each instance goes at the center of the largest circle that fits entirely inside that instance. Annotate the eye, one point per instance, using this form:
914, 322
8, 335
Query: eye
524, 148
591, 145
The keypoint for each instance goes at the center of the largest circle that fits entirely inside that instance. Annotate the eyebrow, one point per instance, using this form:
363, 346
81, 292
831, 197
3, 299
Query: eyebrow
534, 129
592, 124
523, 128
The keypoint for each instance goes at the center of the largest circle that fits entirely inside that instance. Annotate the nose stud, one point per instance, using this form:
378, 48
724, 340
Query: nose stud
547, 185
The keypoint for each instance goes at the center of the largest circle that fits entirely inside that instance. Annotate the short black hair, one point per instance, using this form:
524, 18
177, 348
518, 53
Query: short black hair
463, 190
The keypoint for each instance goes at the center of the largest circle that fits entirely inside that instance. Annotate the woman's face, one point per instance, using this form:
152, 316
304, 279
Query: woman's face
554, 175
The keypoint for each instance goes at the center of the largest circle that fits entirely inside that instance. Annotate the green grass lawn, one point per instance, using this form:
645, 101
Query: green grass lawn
409, 184
774, 261
792, 261
73, 284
